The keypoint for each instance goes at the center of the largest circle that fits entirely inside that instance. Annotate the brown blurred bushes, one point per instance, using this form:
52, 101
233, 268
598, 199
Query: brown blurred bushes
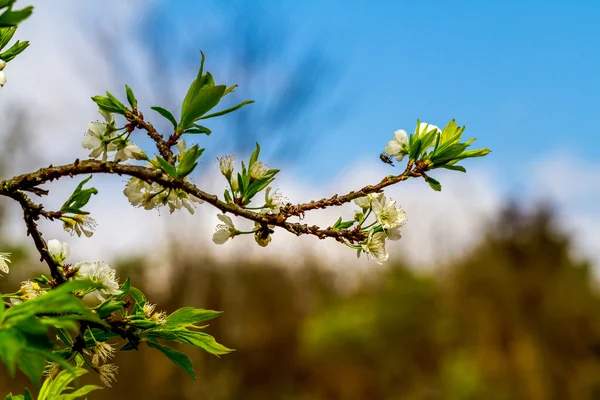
517, 318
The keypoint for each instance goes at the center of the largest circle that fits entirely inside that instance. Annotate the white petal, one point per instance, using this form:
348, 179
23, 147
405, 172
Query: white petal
96, 152
96, 128
393, 148
91, 142
2, 78
221, 236
226, 220
108, 117
401, 136
394, 233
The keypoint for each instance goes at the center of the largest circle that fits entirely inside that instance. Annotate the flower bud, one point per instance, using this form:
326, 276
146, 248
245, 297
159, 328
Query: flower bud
59, 251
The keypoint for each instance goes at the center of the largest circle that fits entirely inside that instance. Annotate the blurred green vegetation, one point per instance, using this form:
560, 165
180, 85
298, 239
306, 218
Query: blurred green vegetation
516, 318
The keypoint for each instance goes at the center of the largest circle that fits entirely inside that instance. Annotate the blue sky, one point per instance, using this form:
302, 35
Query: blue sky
522, 76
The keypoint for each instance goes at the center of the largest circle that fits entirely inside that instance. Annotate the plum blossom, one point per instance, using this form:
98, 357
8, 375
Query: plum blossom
224, 231
397, 147
100, 136
102, 273
374, 246
4, 261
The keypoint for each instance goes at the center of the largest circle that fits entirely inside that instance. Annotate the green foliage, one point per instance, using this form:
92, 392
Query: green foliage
57, 388
79, 199
10, 18
167, 114
247, 185
131, 97
24, 341
202, 97
188, 161
110, 103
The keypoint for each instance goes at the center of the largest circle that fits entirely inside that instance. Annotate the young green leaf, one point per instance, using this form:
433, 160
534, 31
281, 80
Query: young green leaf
167, 114
14, 50
168, 168
131, 97
12, 18
228, 110
435, 185
177, 357
187, 316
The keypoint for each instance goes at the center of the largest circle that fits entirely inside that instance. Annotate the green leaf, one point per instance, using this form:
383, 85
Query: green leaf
414, 148
198, 129
116, 102
79, 198
227, 196
6, 34
12, 18
81, 392
137, 295
11, 343
165, 166
455, 168
64, 336
254, 156
125, 287
177, 357
28, 395
435, 185
197, 339
167, 114
14, 50
198, 102
106, 104
187, 316
131, 97
6, 3
189, 161
32, 365
228, 110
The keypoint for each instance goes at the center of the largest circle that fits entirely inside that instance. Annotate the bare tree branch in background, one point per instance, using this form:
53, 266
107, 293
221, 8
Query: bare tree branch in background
252, 47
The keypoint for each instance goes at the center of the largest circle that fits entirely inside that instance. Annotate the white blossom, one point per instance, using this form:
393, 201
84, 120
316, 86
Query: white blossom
102, 273
374, 246
78, 224
4, 261
130, 150
258, 170
226, 165
100, 136
274, 200
2, 75
224, 231
397, 147
365, 201
387, 214
59, 251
